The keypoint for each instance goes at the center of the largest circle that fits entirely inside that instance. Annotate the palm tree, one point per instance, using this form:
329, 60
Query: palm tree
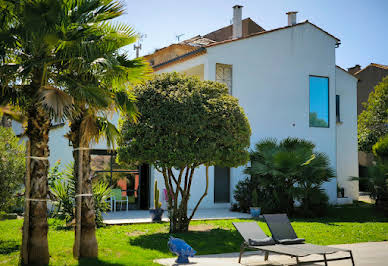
41, 42
111, 74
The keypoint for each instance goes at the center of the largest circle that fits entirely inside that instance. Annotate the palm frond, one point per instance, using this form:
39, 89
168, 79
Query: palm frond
58, 103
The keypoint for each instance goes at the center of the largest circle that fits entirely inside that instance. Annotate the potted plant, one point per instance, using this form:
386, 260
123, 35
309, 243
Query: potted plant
157, 213
340, 192
255, 210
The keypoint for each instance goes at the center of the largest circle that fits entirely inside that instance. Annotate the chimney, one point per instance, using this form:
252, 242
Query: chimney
353, 70
291, 18
237, 22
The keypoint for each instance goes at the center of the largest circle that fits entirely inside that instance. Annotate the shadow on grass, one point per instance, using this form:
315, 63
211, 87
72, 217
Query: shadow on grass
208, 242
8, 246
94, 261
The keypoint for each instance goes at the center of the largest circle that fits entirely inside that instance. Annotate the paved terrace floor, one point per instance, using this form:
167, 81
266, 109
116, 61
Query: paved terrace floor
365, 254
143, 216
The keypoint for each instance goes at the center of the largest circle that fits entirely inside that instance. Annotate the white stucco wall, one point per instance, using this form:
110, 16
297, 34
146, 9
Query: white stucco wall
347, 155
271, 80
59, 145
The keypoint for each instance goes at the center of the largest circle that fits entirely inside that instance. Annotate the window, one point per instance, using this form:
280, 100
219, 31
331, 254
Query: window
103, 164
224, 75
337, 109
319, 101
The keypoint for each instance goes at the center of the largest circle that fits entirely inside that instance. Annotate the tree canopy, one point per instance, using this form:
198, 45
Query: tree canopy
373, 121
184, 121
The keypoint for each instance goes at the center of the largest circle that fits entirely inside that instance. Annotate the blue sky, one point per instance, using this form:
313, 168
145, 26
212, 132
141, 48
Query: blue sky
362, 25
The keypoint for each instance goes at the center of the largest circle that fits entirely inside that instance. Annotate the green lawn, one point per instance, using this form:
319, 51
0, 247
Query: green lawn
141, 244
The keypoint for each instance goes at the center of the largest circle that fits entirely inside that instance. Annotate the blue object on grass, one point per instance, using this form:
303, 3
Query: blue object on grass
181, 249
255, 212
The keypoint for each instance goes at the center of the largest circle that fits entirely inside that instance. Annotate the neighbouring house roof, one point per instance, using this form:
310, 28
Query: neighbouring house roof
347, 72
179, 59
166, 54
372, 65
207, 43
248, 27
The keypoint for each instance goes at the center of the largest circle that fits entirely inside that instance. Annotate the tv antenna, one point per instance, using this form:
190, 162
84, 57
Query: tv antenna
140, 39
179, 36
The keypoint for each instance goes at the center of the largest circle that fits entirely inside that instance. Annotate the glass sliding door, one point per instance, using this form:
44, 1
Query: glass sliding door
103, 163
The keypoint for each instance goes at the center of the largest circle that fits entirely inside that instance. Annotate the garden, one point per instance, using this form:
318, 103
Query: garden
142, 243
64, 62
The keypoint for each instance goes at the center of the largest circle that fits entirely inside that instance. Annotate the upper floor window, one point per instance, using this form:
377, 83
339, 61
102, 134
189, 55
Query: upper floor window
337, 108
319, 101
224, 75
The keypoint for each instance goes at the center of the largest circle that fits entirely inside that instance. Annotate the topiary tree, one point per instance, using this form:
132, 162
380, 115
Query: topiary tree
185, 123
12, 163
372, 122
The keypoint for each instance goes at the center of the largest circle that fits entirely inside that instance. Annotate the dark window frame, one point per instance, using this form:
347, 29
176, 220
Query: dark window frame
328, 100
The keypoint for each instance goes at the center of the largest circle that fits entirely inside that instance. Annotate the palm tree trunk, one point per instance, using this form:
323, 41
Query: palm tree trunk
88, 244
38, 134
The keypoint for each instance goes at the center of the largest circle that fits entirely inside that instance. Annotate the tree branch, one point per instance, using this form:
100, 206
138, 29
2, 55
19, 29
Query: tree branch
204, 194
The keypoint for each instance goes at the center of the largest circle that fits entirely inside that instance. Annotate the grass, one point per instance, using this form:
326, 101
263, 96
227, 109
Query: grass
142, 243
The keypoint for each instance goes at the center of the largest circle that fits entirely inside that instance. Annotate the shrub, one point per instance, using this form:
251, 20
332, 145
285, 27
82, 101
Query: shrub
314, 203
243, 194
12, 169
62, 190
372, 122
286, 171
380, 149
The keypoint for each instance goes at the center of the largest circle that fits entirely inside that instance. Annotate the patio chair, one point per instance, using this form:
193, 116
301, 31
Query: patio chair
117, 197
255, 238
283, 233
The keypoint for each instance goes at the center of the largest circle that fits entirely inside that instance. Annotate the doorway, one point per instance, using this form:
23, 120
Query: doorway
221, 184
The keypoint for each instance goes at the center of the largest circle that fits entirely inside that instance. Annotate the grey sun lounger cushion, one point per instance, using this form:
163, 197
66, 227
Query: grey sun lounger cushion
250, 230
261, 242
280, 226
291, 241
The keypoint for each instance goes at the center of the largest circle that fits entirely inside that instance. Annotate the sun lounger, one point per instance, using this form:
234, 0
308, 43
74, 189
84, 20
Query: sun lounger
283, 233
255, 238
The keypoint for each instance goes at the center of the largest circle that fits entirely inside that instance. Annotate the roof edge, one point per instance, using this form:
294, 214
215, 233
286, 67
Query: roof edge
372, 65
273, 30
337, 66
189, 55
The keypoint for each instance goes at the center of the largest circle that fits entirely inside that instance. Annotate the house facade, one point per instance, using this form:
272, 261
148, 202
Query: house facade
288, 83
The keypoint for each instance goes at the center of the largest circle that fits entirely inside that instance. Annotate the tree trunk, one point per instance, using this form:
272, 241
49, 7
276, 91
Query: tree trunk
179, 220
38, 134
88, 243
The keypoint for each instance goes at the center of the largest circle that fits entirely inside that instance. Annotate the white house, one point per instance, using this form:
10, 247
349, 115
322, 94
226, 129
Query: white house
287, 81
281, 78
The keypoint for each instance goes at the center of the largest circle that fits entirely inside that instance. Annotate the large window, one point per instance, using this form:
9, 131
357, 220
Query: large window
319, 101
125, 177
224, 75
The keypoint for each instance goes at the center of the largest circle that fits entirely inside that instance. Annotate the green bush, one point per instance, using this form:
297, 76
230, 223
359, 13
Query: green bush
380, 149
372, 122
243, 194
286, 171
314, 203
62, 190
12, 169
